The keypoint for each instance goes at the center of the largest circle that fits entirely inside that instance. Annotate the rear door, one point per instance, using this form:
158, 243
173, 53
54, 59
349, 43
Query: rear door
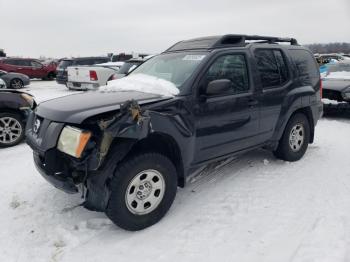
275, 80
37, 69
227, 122
23, 66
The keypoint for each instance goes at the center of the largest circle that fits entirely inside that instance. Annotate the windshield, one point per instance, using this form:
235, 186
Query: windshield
174, 67
338, 71
65, 63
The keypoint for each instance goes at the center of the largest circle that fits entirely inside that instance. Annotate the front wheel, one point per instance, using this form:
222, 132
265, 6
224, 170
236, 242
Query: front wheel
16, 83
142, 190
11, 129
295, 139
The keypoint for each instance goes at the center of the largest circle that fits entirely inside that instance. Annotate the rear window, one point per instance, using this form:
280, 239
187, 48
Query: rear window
65, 63
306, 66
272, 67
101, 60
91, 61
10, 62
127, 66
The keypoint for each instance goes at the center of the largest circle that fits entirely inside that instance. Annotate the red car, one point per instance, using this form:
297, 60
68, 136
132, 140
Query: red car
30, 67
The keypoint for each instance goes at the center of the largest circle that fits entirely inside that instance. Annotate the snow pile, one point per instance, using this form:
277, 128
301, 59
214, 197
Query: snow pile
142, 83
118, 64
338, 75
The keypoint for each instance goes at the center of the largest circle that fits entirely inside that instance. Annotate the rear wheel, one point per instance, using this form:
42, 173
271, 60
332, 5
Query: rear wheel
11, 129
50, 76
295, 139
142, 190
16, 83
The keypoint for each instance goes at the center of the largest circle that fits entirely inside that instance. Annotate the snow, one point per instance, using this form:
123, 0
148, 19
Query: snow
142, 83
338, 75
117, 64
247, 208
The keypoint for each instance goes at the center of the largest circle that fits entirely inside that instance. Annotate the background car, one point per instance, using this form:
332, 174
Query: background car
61, 72
33, 68
14, 109
14, 80
336, 83
2, 83
128, 66
91, 77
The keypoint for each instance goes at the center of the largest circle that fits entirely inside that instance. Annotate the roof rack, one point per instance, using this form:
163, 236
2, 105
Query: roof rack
228, 40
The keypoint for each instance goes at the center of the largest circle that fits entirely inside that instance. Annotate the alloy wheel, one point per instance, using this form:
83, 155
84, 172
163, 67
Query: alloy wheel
10, 130
16, 84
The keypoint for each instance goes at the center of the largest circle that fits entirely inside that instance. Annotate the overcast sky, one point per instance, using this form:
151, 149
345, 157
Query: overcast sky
60, 28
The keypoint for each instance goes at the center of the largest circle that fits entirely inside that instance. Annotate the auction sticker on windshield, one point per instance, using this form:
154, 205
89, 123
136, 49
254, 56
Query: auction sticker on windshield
193, 57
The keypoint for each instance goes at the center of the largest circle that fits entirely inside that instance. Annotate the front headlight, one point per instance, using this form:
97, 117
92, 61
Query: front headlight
29, 99
346, 94
72, 141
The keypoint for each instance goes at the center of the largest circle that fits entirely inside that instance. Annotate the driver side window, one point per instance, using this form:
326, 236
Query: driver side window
230, 67
35, 64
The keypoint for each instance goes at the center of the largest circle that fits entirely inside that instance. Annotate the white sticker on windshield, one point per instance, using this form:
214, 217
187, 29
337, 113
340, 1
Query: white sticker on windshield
193, 57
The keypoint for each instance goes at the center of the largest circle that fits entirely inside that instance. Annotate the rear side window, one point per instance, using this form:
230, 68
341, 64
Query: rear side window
10, 62
272, 67
24, 63
306, 66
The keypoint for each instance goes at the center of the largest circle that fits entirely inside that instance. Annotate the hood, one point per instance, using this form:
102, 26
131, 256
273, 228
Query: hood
78, 107
336, 85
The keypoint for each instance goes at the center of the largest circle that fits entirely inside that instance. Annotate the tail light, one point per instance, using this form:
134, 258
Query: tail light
321, 89
93, 75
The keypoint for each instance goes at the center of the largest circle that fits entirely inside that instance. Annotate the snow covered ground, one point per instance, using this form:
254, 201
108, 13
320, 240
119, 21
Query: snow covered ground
252, 208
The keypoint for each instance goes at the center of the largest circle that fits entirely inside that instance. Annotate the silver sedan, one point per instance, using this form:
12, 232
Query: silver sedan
14, 80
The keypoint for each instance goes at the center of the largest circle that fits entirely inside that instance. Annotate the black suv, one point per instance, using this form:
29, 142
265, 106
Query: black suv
61, 71
129, 151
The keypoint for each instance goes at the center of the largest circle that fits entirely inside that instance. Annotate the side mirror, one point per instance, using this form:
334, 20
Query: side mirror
220, 86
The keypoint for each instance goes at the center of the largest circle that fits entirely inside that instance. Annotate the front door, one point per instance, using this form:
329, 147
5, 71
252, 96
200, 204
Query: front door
226, 122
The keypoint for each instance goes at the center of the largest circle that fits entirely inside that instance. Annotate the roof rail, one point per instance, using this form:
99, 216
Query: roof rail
228, 40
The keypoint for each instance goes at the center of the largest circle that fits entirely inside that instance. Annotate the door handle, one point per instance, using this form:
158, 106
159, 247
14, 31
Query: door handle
252, 102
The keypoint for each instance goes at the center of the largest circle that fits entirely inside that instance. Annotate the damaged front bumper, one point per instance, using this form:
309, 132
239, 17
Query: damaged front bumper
64, 183
91, 172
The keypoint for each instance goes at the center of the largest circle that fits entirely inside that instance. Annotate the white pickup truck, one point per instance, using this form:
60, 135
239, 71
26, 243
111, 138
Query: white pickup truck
91, 77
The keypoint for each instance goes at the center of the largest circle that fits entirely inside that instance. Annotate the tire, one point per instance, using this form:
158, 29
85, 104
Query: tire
11, 136
16, 83
50, 76
295, 139
121, 209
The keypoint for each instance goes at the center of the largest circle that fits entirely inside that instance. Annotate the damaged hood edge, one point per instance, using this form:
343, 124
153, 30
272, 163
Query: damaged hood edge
75, 109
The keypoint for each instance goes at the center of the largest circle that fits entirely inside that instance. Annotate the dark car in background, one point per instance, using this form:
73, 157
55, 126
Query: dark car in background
127, 67
33, 68
336, 83
14, 80
130, 149
61, 72
14, 110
